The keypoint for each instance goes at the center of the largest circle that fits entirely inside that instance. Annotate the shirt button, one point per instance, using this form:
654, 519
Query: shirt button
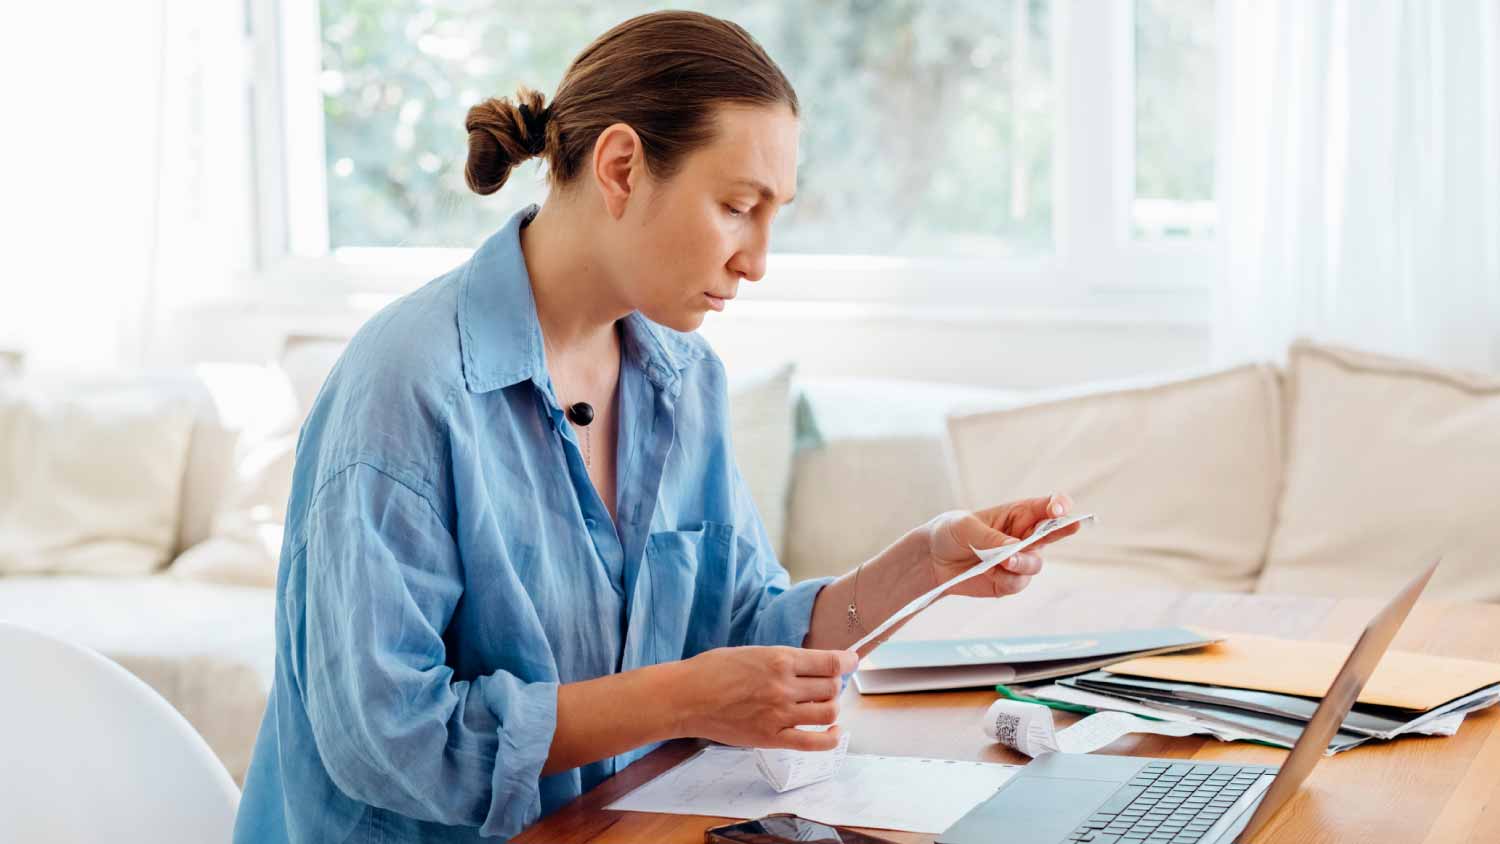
589, 523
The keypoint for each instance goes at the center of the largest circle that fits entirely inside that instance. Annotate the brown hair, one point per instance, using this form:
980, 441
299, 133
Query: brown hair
661, 73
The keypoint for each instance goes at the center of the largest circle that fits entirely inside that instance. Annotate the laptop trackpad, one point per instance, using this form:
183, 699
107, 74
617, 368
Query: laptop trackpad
1031, 810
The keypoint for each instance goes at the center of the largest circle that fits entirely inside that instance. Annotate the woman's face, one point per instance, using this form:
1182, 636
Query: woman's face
697, 234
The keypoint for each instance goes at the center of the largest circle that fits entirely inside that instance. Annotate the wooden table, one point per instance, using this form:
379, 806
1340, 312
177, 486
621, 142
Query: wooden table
1415, 789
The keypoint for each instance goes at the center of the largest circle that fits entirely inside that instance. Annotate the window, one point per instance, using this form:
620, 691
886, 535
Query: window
927, 127
959, 154
1175, 82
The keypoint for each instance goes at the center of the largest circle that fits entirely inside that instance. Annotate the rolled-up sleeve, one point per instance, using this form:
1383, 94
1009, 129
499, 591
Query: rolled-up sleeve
392, 725
768, 609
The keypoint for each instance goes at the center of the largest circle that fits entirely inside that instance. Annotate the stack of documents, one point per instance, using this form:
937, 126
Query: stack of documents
1266, 689
913, 666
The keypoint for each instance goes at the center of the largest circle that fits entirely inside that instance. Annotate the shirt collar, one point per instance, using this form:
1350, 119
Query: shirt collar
501, 339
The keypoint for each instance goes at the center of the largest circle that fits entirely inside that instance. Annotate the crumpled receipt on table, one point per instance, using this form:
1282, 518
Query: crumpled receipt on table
789, 769
1028, 727
785, 770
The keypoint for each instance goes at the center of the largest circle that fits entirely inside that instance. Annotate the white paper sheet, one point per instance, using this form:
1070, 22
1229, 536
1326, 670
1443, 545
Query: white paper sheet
883, 792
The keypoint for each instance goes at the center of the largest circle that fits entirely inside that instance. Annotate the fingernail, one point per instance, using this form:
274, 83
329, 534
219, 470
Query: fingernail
1057, 508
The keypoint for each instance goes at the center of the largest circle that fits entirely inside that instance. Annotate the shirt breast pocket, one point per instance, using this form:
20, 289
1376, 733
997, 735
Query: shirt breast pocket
690, 579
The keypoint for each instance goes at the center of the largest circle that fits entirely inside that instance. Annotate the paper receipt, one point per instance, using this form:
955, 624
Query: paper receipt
988, 559
785, 770
1028, 727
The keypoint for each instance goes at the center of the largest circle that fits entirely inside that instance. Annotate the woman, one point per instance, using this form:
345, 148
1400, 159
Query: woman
519, 553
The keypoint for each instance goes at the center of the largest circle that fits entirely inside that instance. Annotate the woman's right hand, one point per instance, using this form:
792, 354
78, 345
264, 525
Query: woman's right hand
758, 696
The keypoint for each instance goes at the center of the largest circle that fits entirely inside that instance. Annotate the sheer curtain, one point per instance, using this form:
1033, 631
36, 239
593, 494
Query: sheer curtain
1360, 178
126, 157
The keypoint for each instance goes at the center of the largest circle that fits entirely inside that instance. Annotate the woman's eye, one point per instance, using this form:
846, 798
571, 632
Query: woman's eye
733, 211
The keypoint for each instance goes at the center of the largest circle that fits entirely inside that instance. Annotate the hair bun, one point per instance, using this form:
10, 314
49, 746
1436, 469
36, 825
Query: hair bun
535, 123
502, 134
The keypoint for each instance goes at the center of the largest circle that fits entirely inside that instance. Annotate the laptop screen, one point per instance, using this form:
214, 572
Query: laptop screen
1337, 702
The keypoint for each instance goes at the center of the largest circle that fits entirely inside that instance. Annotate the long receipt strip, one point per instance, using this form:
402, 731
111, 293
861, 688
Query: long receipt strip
988, 559
1028, 727
785, 770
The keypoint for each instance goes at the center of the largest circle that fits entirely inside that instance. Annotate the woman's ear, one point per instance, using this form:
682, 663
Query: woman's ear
618, 164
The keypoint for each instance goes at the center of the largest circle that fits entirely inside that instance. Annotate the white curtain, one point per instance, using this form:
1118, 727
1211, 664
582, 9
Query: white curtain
126, 157
1360, 178
204, 172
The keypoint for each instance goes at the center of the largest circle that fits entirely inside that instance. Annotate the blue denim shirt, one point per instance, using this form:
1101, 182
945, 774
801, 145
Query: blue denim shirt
447, 563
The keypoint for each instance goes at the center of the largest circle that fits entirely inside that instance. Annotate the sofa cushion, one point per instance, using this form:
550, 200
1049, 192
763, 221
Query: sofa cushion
238, 407
869, 466
760, 431
306, 361
209, 650
242, 543
1182, 475
1390, 462
245, 546
91, 474
235, 408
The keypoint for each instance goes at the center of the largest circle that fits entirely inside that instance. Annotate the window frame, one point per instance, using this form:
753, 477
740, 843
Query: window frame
1096, 263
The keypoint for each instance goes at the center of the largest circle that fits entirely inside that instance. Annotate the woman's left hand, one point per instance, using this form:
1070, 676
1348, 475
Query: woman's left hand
950, 535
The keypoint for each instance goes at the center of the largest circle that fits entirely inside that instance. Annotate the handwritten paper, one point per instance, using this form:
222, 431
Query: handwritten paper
883, 792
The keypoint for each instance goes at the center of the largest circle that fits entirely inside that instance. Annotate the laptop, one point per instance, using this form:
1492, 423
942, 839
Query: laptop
1062, 798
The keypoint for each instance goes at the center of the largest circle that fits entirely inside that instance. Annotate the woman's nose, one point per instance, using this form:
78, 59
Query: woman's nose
750, 262
749, 267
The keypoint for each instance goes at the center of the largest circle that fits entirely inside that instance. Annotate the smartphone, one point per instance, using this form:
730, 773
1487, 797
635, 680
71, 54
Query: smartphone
787, 829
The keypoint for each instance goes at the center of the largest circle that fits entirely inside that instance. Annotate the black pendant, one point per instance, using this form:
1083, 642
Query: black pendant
581, 413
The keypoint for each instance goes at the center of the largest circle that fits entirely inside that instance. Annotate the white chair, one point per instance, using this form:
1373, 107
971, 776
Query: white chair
88, 752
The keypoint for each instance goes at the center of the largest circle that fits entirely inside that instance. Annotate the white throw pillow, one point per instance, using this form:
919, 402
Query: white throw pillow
760, 430
90, 475
245, 547
1182, 476
239, 406
1390, 462
306, 361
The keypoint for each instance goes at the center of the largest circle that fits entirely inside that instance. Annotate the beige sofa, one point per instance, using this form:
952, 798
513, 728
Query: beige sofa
1337, 474
126, 524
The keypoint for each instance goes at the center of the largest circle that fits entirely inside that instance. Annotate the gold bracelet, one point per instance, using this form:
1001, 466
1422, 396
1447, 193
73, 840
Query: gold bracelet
854, 623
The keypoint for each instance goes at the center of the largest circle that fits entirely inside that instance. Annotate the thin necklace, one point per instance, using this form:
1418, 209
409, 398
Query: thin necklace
580, 414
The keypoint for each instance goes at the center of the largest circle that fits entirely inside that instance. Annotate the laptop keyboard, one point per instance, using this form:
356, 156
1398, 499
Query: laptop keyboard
1168, 803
